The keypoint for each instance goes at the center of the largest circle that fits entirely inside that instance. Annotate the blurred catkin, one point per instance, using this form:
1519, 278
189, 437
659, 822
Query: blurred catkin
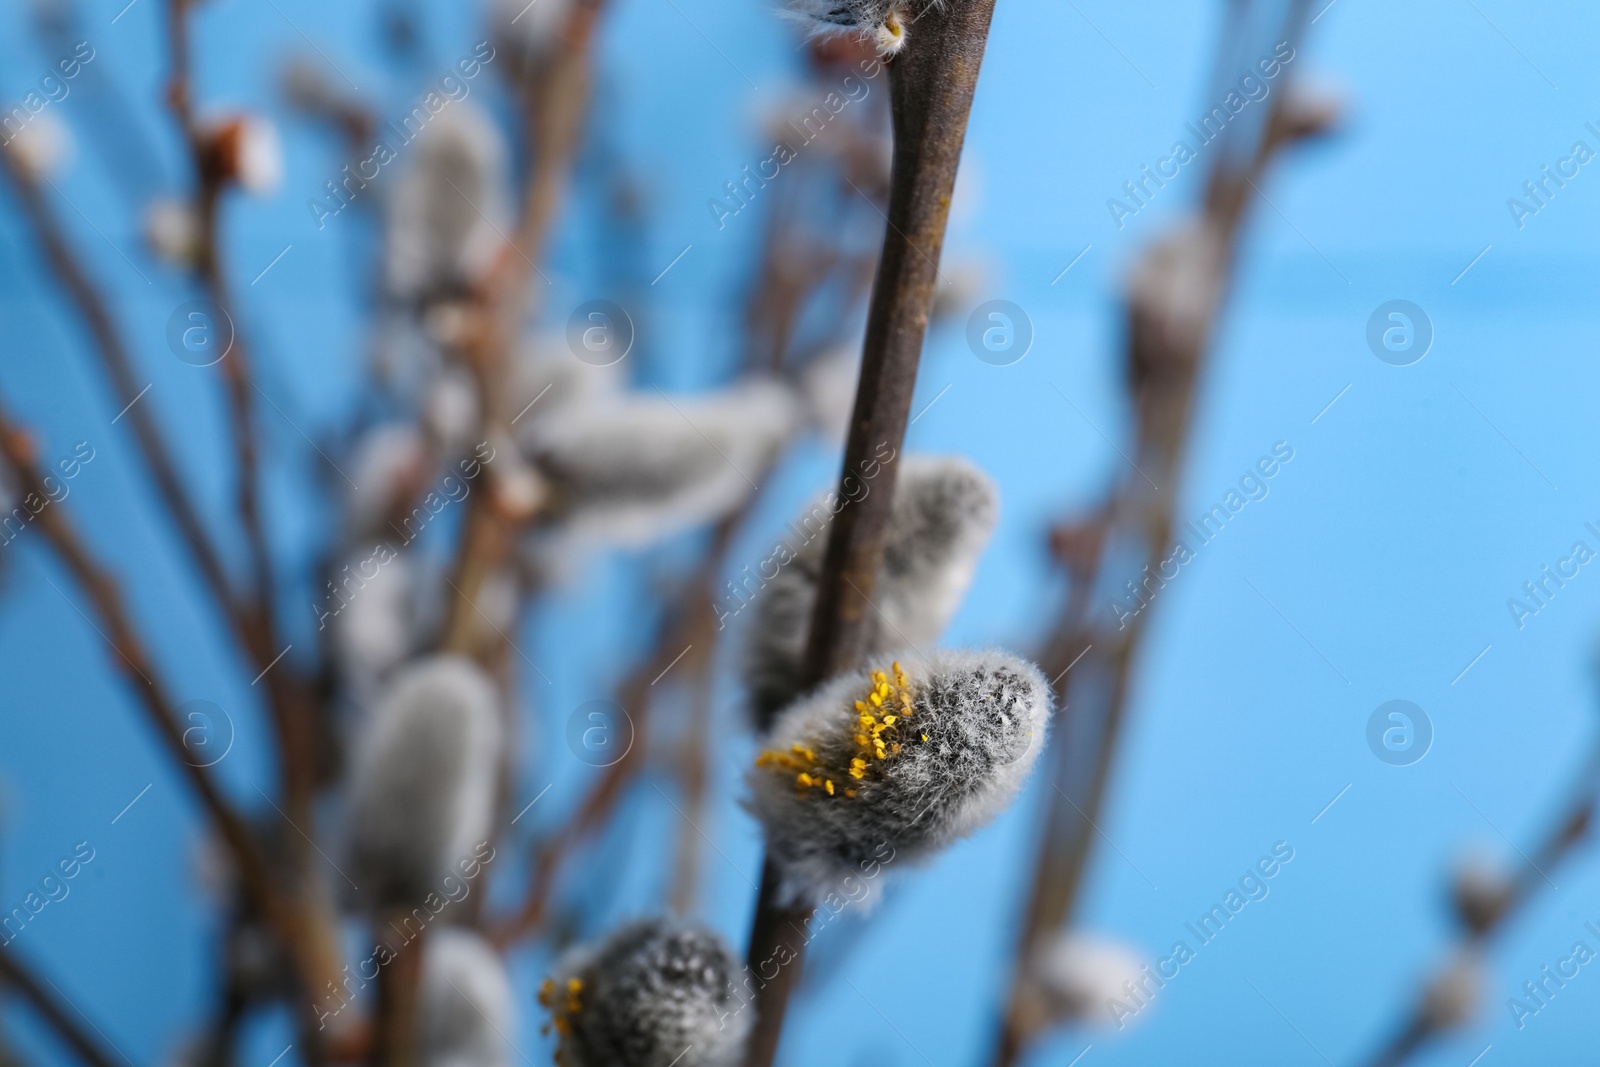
944, 511
655, 993
422, 780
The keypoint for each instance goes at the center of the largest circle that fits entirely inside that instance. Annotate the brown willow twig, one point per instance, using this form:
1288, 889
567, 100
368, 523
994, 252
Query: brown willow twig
15, 974
554, 105
931, 85
1167, 342
210, 180
294, 706
1562, 838
310, 951
690, 620
118, 368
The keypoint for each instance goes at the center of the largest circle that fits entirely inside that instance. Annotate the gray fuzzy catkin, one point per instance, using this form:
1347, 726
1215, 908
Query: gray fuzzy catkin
977, 724
422, 781
450, 205
629, 470
655, 993
944, 512
466, 1001
884, 21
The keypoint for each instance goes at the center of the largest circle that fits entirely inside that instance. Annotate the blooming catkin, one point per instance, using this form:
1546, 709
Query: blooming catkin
883, 21
422, 780
466, 1002
944, 511
898, 760
631, 469
655, 993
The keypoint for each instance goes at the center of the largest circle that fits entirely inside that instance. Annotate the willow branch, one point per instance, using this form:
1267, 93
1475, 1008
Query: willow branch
118, 368
690, 620
1166, 350
209, 184
116, 626
16, 975
931, 85
554, 106
1562, 838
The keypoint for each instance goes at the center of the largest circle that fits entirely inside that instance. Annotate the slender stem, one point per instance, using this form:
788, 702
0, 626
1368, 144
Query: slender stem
396, 1037
16, 975
554, 109
1165, 353
118, 368
931, 85
1569, 830
311, 951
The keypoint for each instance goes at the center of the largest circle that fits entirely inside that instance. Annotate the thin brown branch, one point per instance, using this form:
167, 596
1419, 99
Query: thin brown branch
690, 621
1569, 830
554, 105
931, 86
118, 368
298, 927
397, 1032
15, 975
1167, 341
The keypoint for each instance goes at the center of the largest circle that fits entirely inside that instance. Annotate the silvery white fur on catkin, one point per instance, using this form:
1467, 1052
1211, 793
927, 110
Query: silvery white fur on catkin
944, 512
388, 460
629, 470
466, 1001
449, 206
866, 17
422, 780
985, 714
656, 993
375, 623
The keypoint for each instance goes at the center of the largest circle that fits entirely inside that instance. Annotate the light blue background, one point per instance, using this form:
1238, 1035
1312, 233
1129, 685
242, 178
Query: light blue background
1413, 508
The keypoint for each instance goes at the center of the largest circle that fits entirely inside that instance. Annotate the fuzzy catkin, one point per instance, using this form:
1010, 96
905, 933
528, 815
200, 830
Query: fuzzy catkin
836, 803
944, 511
629, 470
422, 780
450, 205
655, 993
884, 22
466, 1002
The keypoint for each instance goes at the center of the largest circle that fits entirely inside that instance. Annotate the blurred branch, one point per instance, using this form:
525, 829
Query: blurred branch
306, 938
15, 975
931, 89
210, 181
554, 105
1563, 837
690, 620
118, 368
1175, 295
